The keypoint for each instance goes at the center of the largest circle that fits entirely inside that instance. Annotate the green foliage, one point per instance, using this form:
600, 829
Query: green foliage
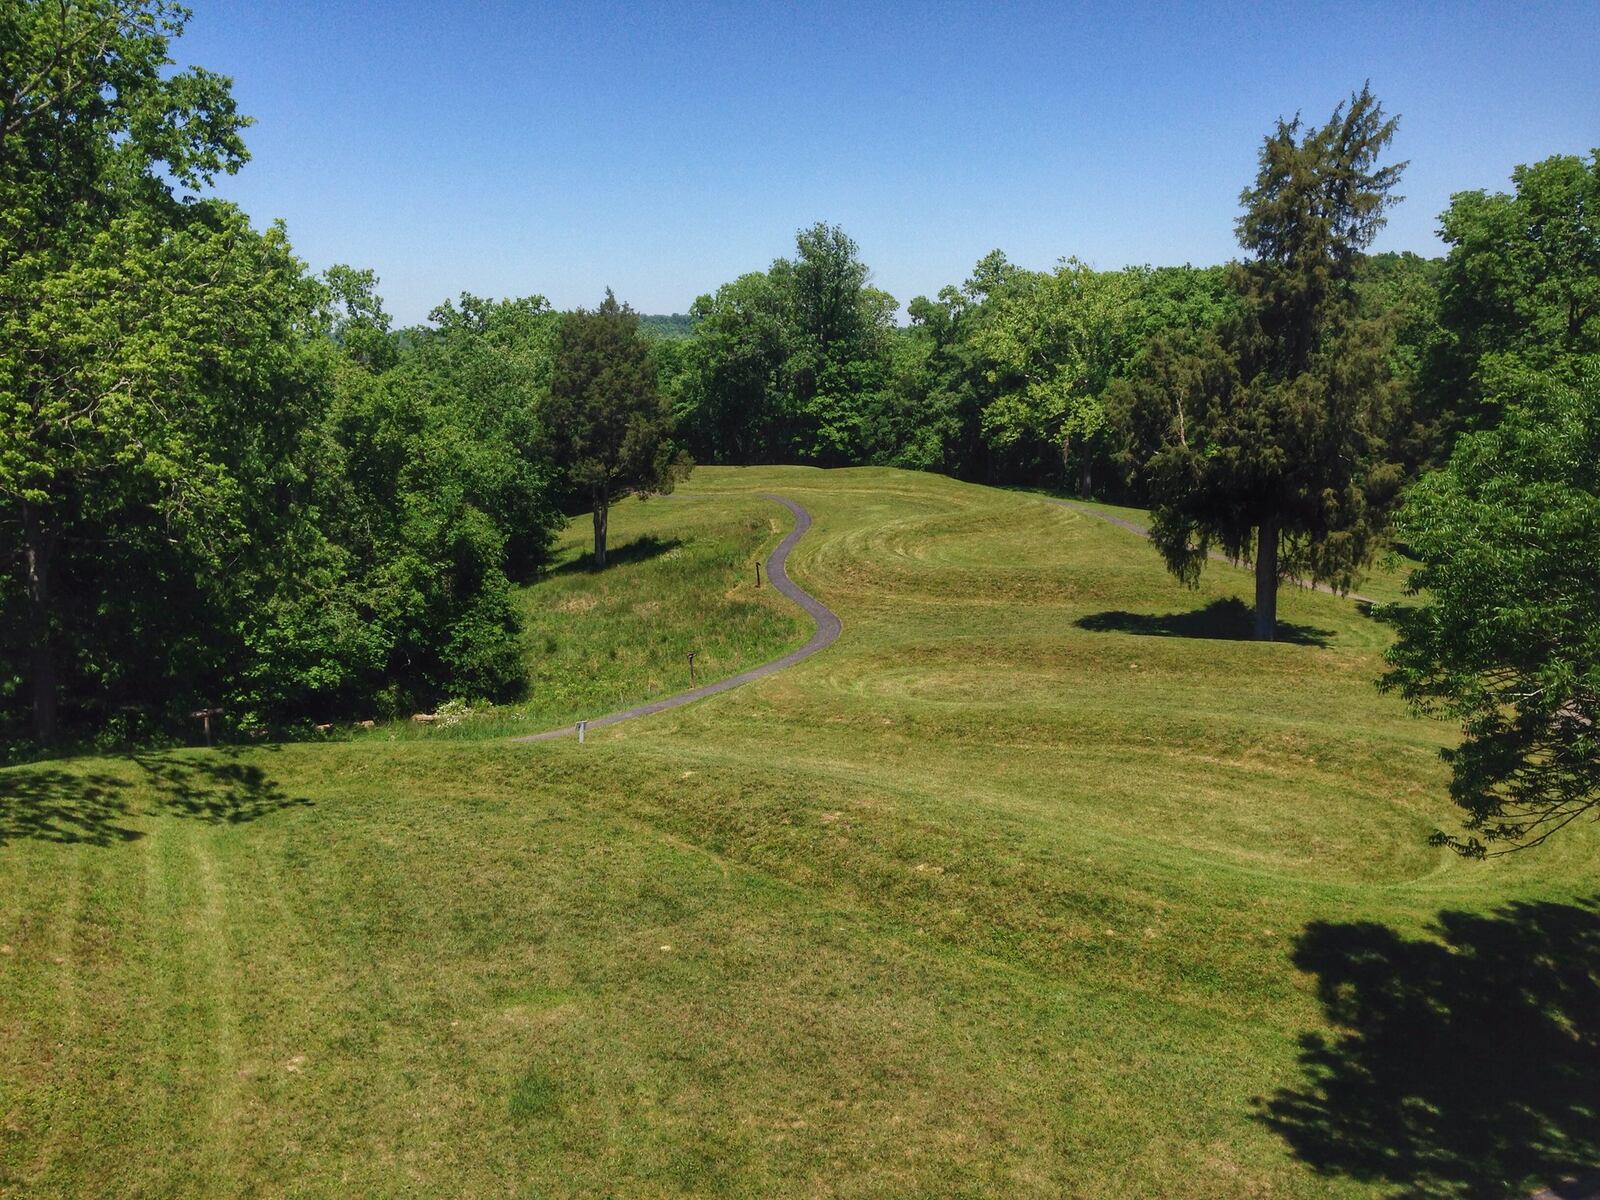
1520, 286
942, 382
792, 364
732, 405
1003, 378
839, 339
221, 482
1051, 345
1270, 439
150, 384
666, 327
1402, 292
606, 422
1507, 640
485, 367
1509, 529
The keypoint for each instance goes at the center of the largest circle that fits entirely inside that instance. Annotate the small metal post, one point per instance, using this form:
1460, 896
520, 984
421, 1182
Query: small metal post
582, 725
758, 574
691, 667
205, 715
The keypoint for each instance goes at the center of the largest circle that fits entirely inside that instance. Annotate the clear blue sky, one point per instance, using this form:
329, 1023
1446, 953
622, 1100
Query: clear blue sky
663, 149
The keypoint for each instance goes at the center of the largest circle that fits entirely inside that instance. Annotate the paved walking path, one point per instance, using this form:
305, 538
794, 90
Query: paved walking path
828, 629
1215, 555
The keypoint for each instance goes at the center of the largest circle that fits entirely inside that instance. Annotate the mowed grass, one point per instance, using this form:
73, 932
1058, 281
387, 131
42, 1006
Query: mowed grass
1037, 883
680, 577
1383, 581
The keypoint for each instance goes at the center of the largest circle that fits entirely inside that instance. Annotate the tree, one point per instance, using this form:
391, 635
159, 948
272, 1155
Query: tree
435, 489
837, 347
1520, 285
943, 382
733, 407
609, 427
95, 253
1271, 441
221, 480
489, 363
1507, 639
1403, 289
1054, 344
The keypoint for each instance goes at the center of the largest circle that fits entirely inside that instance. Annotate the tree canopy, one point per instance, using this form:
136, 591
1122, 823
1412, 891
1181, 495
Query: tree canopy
1520, 286
1502, 636
222, 482
1507, 637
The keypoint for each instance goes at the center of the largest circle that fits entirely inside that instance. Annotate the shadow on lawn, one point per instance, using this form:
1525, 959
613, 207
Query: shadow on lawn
1466, 1067
51, 805
640, 549
1226, 620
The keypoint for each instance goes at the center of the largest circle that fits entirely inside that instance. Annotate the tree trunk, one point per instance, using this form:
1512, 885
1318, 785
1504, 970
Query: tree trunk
38, 553
602, 511
1267, 581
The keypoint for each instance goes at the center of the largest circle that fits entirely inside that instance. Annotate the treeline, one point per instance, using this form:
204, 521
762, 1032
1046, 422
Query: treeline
1003, 378
226, 483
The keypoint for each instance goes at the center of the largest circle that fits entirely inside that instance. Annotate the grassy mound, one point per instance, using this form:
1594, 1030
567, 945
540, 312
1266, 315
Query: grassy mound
1039, 882
680, 576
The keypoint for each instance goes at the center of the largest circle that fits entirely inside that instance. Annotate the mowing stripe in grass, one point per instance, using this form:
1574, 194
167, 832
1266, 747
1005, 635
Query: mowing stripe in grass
828, 629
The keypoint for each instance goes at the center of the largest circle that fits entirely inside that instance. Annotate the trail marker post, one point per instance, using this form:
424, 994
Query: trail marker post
204, 715
692, 653
582, 726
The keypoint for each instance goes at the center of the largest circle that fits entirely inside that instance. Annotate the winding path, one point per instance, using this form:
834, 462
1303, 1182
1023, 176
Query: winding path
1215, 556
828, 629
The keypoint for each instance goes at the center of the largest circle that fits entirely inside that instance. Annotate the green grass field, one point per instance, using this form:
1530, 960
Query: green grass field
680, 576
1038, 883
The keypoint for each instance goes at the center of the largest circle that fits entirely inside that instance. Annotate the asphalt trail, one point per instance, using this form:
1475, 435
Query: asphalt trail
828, 629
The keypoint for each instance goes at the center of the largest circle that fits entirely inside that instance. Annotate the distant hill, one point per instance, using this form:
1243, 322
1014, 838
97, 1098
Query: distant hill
659, 325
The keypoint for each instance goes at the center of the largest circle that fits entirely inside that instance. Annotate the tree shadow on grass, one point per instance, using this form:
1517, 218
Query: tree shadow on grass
640, 549
48, 804
1466, 1067
1225, 620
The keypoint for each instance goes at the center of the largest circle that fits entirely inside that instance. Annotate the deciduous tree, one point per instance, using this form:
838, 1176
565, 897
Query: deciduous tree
1520, 286
1506, 637
100, 265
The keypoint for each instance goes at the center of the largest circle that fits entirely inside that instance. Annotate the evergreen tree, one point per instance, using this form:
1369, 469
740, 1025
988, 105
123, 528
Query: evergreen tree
1269, 438
609, 427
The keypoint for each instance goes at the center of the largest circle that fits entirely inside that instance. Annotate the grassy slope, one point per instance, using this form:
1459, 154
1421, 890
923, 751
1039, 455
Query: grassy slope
1383, 581
680, 577
980, 901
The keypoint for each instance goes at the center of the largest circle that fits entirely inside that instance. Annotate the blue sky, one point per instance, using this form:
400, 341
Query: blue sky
663, 149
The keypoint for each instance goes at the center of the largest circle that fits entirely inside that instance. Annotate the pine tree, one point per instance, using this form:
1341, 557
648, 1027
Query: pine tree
1268, 437
609, 428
